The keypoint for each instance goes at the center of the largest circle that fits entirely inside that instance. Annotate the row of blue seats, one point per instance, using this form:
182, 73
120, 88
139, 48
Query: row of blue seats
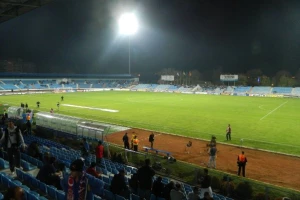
24, 164
8, 181
49, 143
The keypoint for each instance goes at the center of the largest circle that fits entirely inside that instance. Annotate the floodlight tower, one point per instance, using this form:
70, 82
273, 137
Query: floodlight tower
128, 26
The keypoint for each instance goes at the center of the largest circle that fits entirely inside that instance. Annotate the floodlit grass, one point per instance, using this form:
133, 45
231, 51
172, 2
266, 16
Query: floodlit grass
267, 123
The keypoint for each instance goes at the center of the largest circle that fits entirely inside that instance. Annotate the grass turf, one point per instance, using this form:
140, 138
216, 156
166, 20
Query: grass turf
267, 123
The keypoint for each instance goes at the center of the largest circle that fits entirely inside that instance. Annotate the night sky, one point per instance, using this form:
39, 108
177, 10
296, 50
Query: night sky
81, 36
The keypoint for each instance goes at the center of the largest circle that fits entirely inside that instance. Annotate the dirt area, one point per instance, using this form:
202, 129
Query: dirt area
263, 166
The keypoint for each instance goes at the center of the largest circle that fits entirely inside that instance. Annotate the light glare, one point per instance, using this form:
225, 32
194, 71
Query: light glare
128, 24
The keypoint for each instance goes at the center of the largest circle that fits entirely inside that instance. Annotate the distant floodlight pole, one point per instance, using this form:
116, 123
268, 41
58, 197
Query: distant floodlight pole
128, 26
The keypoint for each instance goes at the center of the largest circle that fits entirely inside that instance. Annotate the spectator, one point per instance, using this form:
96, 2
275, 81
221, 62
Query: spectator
14, 193
34, 151
158, 187
145, 175
205, 184
92, 170
167, 190
28, 127
99, 153
13, 139
119, 159
177, 193
49, 175
126, 141
133, 183
207, 196
212, 156
195, 194
76, 186
118, 185
46, 157
86, 147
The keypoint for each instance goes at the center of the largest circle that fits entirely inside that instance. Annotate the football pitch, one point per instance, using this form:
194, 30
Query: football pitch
258, 122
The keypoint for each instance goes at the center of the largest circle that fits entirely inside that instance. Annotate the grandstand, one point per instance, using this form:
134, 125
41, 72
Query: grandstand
50, 82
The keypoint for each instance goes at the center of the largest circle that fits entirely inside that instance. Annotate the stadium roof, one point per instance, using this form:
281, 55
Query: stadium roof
10, 9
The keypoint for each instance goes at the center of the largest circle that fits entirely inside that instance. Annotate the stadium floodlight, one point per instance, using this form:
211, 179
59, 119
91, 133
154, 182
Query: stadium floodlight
128, 26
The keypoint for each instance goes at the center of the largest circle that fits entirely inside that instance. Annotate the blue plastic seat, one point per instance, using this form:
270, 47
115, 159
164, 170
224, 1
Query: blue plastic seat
108, 195
97, 197
32, 196
5, 180
135, 197
118, 197
34, 182
27, 166
18, 183
3, 164
19, 174
60, 195
51, 191
43, 187
25, 188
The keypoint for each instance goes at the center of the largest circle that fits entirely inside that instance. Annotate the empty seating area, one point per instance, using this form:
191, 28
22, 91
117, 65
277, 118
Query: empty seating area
141, 87
161, 88
242, 89
184, 89
261, 90
296, 91
282, 90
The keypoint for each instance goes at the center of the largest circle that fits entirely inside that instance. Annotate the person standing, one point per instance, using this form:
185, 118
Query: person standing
228, 133
151, 139
158, 187
205, 184
62, 98
241, 161
99, 153
212, 157
145, 175
118, 185
194, 195
38, 104
76, 185
177, 193
57, 105
28, 127
132, 138
135, 143
13, 140
126, 141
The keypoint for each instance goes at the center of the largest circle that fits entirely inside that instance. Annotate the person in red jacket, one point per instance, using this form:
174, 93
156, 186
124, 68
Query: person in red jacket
92, 170
99, 153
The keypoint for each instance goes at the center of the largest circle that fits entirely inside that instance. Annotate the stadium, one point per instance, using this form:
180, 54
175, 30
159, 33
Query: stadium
65, 108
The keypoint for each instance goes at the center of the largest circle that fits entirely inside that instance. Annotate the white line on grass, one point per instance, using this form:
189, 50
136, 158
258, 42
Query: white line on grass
91, 108
273, 110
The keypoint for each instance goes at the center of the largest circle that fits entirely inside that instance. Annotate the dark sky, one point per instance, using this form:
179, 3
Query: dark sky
81, 36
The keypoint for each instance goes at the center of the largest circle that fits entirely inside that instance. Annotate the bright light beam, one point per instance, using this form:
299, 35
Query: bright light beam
128, 24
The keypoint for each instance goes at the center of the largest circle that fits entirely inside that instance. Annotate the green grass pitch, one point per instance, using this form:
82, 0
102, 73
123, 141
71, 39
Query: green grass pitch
265, 123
